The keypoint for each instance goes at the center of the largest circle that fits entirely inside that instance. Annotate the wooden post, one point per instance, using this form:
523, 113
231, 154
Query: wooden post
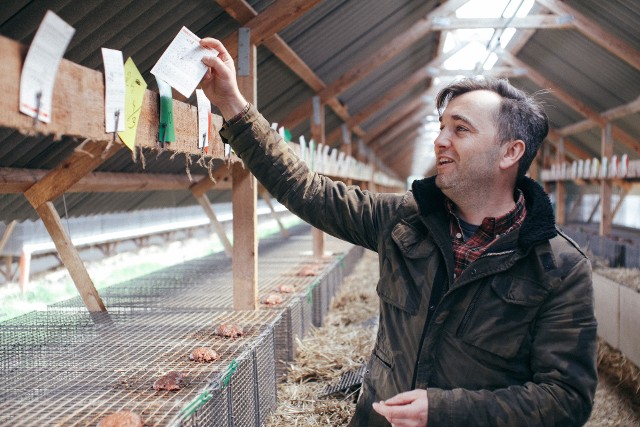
317, 133
245, 194
347, 148
561, 195
606, 218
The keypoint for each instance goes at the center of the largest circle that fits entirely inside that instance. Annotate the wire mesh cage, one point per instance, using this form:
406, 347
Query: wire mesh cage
65, 366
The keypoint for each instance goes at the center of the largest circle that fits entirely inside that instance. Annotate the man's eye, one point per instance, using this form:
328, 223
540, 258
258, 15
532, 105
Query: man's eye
461, 129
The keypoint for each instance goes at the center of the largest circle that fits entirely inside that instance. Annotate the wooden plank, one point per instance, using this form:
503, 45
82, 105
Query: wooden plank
606, 219
78, 107
245, 223
385, 141
16, 181
562, 21
203, 200
243, 13
70, 257
221, 180
7, 234
84, 159
609, 115
273, 19
596, 33
385, 53
571, 101
561, 193
394, 116
267, 199
317, 134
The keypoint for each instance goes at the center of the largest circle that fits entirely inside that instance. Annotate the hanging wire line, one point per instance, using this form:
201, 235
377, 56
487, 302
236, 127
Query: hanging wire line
494, 41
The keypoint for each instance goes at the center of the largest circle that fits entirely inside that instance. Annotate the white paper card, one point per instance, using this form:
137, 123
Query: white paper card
114, 88
181, 64
41, 65
204, 109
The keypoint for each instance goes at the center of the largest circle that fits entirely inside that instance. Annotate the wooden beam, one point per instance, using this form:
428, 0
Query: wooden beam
221, 180
449, 23
317, 133
385, 53
571, 101
609, 115
7, 234
78, 107
388, 141
561, 193
16, 181
244, 199
203, 200
242, 12
267, 199
595, 33
69, 256
273, 19
395, 116
606, 186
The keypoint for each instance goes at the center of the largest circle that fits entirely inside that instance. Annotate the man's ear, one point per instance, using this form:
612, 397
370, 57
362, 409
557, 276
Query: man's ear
512, 152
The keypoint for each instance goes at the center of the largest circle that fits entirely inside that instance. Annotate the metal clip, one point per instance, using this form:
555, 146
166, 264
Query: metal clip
36, 118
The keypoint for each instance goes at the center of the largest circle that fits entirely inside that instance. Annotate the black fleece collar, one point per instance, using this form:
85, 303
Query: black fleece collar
539, 225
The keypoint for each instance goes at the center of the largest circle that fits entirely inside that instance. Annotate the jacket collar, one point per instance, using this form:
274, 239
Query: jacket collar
539, 224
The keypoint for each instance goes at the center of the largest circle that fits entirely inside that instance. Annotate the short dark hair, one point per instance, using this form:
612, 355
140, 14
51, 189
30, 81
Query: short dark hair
520, 115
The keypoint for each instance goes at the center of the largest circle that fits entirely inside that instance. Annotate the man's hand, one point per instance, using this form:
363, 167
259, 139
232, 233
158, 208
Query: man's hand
219, 83
408, 409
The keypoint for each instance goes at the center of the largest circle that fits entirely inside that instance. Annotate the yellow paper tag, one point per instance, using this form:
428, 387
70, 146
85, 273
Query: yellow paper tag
136, 87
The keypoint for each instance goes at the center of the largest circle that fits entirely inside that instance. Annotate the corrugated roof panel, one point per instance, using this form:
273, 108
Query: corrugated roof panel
599, 79
618, 17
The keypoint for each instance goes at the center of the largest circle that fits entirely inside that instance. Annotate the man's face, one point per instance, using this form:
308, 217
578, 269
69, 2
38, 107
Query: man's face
467, 148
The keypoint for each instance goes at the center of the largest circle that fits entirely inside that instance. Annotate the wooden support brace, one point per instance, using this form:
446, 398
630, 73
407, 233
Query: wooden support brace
606, 219
220, 231
317, 133
70, 257
267, 199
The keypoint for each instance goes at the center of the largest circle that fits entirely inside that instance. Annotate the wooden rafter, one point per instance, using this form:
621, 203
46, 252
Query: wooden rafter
386, 52
417, 104
449, 23
16, 181
242, 12
571, 101
595, 33
273, 19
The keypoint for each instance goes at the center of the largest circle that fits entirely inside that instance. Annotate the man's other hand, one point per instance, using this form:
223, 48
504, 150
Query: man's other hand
408, 409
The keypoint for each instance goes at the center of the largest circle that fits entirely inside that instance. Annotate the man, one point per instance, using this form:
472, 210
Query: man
486, 312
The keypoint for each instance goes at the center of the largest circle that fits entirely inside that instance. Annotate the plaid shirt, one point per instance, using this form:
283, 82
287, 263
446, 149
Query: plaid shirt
466, 252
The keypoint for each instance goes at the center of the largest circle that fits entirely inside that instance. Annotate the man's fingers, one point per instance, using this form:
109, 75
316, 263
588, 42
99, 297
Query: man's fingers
405, 398
210, 42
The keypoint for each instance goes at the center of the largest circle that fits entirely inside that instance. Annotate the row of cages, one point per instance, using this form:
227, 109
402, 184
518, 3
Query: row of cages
618, 252
620, 168
65, 366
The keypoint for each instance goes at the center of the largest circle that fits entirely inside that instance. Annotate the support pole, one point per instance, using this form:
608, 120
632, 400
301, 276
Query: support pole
561, 193
220, 231
267, 199
245, 194
606, 219
317, 133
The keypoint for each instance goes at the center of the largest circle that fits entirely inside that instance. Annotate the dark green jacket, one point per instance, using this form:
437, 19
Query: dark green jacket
512, 342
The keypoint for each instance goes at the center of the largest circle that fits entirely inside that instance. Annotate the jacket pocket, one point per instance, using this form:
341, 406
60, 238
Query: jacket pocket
500, 314
407, 267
